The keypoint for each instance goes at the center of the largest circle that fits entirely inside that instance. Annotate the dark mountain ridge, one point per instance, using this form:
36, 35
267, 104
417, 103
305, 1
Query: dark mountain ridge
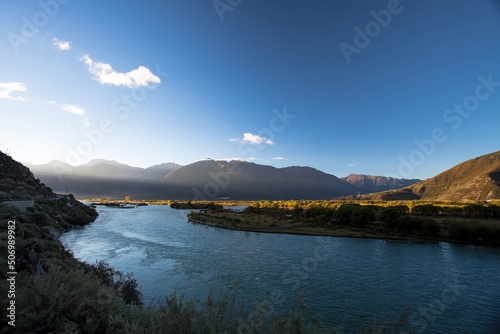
249, 181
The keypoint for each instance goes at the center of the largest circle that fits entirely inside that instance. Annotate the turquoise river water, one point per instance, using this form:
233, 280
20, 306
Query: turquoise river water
450, 288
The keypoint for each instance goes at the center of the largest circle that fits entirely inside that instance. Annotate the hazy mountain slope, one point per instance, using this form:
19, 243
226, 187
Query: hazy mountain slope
103, 178
322, 183
236, 179
472, 180
157, 172
245, 180
104, 169
373, 184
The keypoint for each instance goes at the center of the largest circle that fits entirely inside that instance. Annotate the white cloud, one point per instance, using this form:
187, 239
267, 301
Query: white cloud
105, 74
72, 109
279, 158
6, 88
351, 165
252, 139
61, 45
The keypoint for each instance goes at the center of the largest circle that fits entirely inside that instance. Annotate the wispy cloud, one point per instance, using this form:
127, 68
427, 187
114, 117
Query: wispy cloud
279, 158
72, 109
351, 165
61, 45
252, 139
6, 88
105, 74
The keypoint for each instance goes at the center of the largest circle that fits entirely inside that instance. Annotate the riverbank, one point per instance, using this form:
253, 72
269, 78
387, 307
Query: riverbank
354, 224
299, 230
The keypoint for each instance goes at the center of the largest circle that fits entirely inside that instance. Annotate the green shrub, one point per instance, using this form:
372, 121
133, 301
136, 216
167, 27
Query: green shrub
425, 210
344, 213
389, 217
474, 232
39, 218
416, 225
62, 299
362, 216
431, 227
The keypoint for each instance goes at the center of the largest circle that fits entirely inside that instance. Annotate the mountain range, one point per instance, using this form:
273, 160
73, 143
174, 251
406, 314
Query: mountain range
477, 179
205, 180
373, 184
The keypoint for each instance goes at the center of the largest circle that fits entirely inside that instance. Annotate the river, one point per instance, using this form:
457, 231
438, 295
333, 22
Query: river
451, 288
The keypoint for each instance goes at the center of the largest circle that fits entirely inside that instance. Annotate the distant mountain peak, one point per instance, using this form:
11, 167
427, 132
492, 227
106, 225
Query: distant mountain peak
165, 165
56, 162
104, 161
375, 184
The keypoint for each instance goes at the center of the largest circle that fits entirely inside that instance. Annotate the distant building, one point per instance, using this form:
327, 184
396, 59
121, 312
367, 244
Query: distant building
127, 198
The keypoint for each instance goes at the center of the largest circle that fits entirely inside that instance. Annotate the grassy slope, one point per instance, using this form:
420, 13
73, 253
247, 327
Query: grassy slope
474, 180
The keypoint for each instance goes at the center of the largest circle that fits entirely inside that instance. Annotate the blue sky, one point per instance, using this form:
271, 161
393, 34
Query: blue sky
396, 88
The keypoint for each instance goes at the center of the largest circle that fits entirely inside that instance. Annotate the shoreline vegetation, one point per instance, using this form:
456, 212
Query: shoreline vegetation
476, 223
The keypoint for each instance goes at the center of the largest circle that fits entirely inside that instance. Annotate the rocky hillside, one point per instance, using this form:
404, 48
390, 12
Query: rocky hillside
373, 184
17, 183
477, 179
